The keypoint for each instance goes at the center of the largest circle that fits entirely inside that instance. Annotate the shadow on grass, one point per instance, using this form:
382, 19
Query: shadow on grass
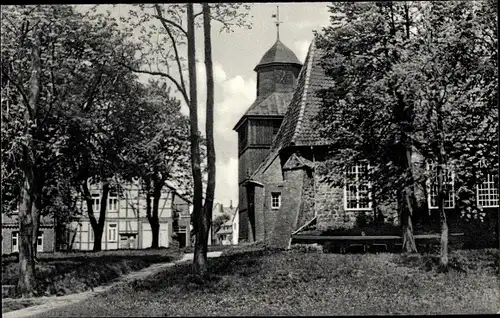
242, 264
458, 260
62, 275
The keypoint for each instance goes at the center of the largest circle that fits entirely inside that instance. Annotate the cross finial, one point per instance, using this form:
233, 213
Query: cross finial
277, 22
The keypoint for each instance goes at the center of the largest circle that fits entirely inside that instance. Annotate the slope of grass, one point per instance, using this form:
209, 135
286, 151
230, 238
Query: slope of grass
261, 282
62, 274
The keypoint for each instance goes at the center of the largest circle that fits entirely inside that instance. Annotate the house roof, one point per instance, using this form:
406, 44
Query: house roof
299, 127
11, 220
273, 104
225, 231
263, 166
278, 54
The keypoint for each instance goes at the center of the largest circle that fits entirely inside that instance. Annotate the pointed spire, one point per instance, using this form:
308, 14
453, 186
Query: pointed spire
277, 22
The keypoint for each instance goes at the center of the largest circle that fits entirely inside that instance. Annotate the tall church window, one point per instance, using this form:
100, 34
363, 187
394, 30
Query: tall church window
448, 185
275, 200
487, 192
357, 189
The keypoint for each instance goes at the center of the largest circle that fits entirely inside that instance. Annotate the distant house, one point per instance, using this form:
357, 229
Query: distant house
126, 225
236, 226
10, 234
225, 233
228, 232
219, 210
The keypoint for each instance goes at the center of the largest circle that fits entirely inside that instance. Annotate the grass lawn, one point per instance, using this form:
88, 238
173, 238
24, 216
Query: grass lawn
67, 273
297, 283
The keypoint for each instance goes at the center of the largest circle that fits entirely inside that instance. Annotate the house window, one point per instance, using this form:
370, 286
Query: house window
448, 186
96, 202
357, 194
487, 192
112, 232
15, 242
275, 200
39, 242
112, 202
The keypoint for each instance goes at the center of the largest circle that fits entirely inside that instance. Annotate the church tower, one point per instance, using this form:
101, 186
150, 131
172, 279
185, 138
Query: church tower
277, 74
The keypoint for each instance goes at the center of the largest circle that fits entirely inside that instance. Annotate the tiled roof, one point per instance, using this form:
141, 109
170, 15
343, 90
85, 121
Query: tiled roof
263, 166
11, 220
278, 53
274, 104
224, 231
299, 127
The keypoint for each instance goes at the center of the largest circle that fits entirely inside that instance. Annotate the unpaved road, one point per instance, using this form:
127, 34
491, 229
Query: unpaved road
57, 302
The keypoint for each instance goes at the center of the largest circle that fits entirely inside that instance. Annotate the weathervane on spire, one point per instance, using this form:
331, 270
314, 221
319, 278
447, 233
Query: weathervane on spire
277, 16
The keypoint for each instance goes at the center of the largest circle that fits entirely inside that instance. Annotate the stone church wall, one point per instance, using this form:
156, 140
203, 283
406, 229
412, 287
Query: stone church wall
307, 201
272, 179
331, 213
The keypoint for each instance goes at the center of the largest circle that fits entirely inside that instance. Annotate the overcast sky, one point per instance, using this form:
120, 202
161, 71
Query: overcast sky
235, 55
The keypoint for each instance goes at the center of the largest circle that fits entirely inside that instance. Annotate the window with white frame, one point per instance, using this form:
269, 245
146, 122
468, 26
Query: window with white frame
487, 192
112, 232
39, 242
96, 202
112, 202
448, 187
357, 189
275, 200
15, 242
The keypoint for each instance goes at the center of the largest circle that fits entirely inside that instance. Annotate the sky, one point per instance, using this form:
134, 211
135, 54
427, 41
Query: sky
235, 55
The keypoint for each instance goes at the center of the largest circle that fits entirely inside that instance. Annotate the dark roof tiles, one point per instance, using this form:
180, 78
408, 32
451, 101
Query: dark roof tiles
274, 104
278, 53
299, 124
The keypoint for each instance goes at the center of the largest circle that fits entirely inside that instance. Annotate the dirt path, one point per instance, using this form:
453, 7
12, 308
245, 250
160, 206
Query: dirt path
53, 302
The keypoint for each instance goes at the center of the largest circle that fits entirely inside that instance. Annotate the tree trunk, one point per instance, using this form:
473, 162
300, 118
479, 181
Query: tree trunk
97, 225
26, 217
199, 264
72, 241
102, 217
154, 219
210, 193
26, 255
36, 223
441, 164
403, 114
409, 244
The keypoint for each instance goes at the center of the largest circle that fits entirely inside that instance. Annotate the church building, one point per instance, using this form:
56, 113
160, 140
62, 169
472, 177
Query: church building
280, 149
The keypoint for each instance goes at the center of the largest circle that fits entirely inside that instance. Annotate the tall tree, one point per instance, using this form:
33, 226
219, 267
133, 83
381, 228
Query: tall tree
172, 36
457, 44
33, 100
368, 111
405, 76
160, 153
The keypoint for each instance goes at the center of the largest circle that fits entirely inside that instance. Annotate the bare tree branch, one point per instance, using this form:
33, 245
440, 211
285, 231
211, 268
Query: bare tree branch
163, 20
172, 79
174, 44
20, 90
